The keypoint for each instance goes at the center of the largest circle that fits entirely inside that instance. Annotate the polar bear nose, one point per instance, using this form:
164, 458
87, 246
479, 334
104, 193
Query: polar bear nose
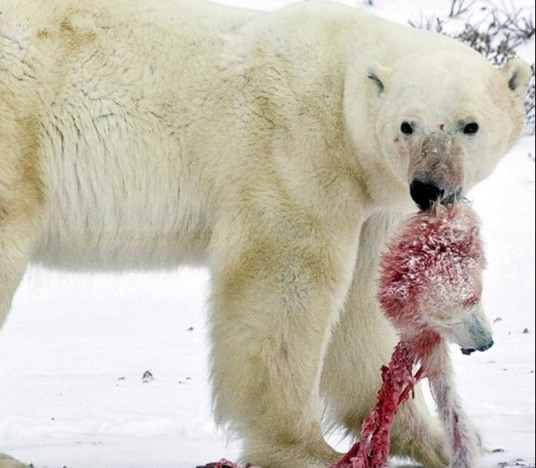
425, 193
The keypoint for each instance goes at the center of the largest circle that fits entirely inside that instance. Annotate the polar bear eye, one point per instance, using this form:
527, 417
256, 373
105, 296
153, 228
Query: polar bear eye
406, 128
471, 128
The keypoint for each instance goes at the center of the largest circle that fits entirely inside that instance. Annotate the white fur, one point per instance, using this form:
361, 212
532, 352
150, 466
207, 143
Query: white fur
140, 134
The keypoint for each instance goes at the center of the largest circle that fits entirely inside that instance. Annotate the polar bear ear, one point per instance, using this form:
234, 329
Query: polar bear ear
518, 74
379, 75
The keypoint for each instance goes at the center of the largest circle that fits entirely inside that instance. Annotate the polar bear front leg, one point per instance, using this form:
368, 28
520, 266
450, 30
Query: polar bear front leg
15, 241
361, 343
15, 244
21, 201
272, 311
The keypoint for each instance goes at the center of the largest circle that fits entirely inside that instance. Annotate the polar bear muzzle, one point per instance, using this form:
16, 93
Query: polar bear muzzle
436, 171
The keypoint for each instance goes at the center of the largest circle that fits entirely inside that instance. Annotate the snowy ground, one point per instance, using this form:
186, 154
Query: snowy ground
75, 347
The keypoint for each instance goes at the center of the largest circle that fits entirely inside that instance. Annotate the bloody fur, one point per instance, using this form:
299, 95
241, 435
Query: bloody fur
439, 254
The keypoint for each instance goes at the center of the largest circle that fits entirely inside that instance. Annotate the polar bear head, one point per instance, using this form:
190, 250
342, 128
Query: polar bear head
443, 119
431, 277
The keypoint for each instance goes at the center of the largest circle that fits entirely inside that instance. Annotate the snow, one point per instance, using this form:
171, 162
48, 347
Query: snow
75, 347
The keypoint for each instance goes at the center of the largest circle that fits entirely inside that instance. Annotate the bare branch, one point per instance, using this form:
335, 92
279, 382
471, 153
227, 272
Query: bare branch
459, 7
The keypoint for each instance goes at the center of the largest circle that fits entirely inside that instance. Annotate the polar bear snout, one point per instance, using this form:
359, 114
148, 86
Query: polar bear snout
472, 332
425, 193
482, 348
436, 171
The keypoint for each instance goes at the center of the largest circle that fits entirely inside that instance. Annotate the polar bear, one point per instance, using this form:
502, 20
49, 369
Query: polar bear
277, 148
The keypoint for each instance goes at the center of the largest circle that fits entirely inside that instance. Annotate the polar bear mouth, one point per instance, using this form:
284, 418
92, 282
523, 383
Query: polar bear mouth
452, 197
469, 351
426, 193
